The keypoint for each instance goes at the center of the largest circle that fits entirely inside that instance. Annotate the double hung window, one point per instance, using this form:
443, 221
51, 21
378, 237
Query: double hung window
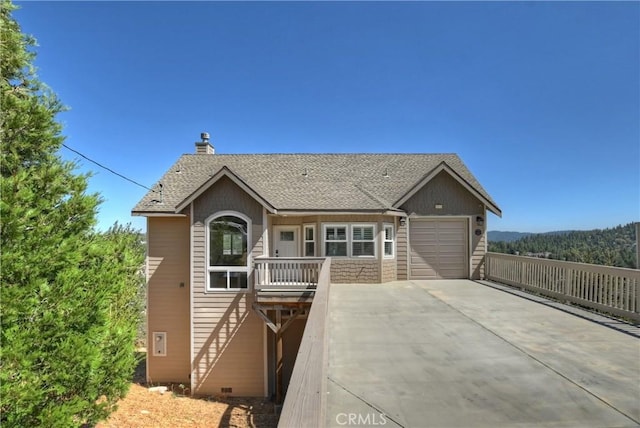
309, 240
363, 240
335, 240
349, 240
388, 240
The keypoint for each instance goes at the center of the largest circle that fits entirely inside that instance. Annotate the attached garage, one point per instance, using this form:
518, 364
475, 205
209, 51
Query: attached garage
438, 248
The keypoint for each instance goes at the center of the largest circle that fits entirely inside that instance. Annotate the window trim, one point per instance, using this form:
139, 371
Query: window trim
325, 240
228, 269
386, 226
305, 240
373, 240
349, 239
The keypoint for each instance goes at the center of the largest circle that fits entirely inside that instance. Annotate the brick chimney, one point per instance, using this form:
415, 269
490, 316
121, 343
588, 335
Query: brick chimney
204, 147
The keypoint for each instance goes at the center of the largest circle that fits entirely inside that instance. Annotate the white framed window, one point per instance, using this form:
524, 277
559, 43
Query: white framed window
309, 240
287, 236
227, 241
363, 240
388, 240
349, 240
335, 240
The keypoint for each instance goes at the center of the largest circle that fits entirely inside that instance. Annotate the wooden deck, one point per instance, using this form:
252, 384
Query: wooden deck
286, 281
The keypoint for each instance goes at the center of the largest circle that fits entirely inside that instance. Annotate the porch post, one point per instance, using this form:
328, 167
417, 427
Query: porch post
279, 362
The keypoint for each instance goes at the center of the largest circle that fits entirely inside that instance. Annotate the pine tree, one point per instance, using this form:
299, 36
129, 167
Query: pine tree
70, 305
609, 247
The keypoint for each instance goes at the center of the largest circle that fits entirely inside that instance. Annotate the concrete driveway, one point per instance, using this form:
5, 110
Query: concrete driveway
457, 353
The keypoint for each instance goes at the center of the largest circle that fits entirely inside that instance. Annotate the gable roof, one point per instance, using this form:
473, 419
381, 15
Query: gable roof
309, 182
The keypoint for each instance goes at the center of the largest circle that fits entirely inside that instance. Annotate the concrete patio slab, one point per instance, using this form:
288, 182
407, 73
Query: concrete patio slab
460, 354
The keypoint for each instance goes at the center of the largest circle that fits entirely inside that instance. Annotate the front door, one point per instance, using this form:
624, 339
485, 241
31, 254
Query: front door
286, 241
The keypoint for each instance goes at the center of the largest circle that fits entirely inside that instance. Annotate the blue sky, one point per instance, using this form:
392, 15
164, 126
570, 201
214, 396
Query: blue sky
540, 99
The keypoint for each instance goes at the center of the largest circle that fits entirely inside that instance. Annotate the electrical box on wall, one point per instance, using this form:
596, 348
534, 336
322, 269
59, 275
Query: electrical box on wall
159, 343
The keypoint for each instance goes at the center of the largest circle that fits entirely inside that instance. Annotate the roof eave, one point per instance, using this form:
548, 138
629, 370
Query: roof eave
301, 212
497, 211
156, 214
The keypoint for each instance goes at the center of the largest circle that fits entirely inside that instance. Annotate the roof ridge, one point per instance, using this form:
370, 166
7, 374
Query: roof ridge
372, 196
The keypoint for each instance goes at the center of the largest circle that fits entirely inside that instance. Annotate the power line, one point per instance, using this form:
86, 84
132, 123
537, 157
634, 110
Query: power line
107, 168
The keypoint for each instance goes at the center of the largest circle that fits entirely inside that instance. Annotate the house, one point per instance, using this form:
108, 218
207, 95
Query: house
212, 218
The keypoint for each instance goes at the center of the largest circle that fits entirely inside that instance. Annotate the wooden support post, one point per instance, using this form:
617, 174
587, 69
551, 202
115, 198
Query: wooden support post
279, 360
278, 328
265, 317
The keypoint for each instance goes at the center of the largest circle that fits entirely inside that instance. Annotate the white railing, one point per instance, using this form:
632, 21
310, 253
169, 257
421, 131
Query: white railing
286, 272
306, 401
607, 289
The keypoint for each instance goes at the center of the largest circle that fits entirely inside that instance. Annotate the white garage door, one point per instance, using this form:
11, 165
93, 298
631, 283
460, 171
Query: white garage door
438, 249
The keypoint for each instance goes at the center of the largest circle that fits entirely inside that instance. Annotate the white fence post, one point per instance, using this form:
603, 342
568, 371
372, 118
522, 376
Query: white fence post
568, 279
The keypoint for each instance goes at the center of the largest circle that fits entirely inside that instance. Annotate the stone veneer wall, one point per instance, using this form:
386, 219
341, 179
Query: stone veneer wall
354, 271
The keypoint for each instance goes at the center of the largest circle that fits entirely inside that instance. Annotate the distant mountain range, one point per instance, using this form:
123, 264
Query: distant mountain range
497, 235
609, 247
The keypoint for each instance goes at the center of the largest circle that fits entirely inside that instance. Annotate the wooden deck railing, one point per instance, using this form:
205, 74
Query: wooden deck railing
306, 401
607, 289
286, 272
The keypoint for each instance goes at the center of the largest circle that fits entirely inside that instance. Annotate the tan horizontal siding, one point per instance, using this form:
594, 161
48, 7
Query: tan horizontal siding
401, 248
199, 255
227, 334
478, 247
212, 300
168, 302
228, 348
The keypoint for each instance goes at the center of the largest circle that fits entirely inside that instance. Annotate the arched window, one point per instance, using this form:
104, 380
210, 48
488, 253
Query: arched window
228, 237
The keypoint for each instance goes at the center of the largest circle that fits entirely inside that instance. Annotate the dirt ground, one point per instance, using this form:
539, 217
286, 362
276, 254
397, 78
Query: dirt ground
144, 408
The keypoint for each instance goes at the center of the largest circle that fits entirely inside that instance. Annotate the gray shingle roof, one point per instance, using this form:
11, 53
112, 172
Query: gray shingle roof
333, 182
